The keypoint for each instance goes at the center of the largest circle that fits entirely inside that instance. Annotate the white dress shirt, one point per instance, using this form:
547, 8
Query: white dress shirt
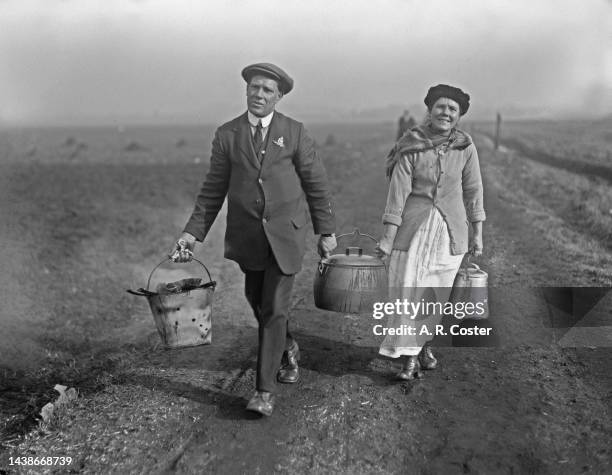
265, 123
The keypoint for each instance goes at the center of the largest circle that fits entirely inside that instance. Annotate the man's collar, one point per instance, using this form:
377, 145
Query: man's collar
265, 121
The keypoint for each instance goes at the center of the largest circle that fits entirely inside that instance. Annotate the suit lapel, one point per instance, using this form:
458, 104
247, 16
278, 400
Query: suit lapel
273, 139
245, 141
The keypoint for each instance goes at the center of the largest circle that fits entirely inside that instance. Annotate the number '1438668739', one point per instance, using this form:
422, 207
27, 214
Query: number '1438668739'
40, 461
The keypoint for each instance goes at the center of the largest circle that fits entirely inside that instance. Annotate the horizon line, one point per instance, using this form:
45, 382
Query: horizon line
133, 122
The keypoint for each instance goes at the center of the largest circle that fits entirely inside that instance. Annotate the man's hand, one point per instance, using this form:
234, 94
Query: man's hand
326, 245
183, 248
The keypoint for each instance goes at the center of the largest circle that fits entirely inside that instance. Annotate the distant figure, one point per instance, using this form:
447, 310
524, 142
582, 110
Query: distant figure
406, 122
497, 130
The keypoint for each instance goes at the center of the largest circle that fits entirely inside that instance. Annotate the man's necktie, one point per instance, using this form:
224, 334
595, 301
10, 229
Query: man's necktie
258, 138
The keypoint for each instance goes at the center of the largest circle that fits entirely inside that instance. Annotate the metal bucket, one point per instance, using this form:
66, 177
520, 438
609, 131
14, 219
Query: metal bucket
182, 310
471, 285
351, 282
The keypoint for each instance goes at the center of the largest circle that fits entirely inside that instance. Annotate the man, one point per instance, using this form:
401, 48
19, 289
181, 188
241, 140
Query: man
266, 165
405, 123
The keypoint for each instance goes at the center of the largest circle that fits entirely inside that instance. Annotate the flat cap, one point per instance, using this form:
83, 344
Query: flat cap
285, 83
454, 93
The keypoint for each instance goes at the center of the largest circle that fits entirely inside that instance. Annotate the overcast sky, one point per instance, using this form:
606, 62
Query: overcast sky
178, 60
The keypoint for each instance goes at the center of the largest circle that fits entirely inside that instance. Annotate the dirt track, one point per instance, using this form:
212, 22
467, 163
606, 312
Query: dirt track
530, 403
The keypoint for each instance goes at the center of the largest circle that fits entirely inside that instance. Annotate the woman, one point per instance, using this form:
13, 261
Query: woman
435, 194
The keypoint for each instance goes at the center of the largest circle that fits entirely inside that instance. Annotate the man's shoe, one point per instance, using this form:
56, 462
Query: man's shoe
289, 372
427, 358
411, 369
262, 402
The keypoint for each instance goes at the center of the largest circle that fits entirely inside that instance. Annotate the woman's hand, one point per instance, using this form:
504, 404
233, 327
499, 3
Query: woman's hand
384, 247
475, 246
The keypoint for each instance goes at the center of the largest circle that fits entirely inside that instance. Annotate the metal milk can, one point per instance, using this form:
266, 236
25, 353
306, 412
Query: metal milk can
471, 285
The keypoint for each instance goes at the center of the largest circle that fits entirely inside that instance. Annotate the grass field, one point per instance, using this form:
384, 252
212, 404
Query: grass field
569, 171
588, 141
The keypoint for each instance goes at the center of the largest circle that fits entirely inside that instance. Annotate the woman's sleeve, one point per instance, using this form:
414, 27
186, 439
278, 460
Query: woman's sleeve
472, 187
400, 187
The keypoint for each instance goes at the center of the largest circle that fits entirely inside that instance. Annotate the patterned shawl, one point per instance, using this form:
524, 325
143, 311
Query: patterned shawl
420, 139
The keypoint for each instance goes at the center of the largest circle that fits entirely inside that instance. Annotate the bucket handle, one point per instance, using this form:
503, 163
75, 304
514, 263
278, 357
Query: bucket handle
147, 293
210, 283
141, 292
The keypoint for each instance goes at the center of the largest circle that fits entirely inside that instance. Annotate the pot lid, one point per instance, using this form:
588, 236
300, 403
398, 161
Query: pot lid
353, 257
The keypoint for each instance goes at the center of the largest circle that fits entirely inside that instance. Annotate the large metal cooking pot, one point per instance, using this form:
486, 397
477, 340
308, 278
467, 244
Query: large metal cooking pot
351, 282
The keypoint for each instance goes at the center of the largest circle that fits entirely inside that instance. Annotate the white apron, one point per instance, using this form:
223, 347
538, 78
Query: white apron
427, 263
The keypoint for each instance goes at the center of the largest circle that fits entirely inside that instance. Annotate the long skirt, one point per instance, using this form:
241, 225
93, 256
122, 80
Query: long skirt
424, 273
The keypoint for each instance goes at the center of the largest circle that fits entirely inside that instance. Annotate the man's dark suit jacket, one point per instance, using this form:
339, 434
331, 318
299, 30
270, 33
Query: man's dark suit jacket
268, 202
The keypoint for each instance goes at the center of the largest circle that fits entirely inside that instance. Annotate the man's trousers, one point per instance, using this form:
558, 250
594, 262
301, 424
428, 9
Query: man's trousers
268, 291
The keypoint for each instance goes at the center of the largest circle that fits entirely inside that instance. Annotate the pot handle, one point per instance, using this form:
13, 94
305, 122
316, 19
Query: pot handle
356, 234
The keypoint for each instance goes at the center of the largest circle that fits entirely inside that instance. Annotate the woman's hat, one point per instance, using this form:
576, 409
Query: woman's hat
285, 83
454, 93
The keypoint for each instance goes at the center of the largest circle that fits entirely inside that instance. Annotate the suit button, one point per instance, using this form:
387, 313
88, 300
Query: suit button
265, 220
257, 202
260, 181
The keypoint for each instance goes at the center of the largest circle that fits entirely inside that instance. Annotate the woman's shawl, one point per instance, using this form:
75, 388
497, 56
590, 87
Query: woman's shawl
418, 139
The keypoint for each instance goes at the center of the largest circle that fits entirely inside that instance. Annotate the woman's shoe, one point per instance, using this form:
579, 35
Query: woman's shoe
427, 358
411, 369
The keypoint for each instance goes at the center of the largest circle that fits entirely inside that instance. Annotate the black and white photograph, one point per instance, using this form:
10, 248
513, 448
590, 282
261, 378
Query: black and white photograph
306, 237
